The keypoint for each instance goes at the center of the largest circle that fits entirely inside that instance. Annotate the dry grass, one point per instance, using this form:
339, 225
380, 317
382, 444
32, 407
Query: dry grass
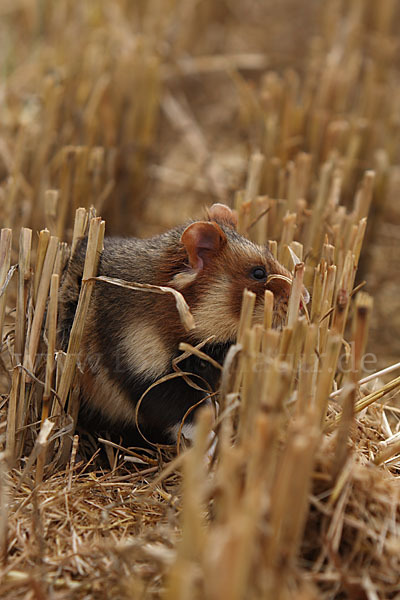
103, 103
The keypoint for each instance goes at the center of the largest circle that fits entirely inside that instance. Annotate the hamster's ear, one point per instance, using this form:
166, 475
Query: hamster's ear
201, 240
223, 214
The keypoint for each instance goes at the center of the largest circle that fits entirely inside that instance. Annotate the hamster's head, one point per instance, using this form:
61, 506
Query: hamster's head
219, 265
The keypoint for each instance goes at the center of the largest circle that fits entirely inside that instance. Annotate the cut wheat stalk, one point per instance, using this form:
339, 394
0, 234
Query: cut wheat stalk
286, 524
44, 238
16, 411
51, 347
268, 309
41, 300
96, 232
80, 225
296, 293
94, 247
5, 260
23, 278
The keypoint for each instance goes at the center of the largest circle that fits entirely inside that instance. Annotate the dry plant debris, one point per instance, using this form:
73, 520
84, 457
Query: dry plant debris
299, 497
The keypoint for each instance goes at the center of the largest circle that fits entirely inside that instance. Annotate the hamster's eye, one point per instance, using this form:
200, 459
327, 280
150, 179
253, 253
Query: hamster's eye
258, 273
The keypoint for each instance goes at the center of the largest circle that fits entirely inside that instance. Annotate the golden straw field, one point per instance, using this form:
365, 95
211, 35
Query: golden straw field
130, 117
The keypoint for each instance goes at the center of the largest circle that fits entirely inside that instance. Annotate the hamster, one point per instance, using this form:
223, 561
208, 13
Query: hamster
131, 337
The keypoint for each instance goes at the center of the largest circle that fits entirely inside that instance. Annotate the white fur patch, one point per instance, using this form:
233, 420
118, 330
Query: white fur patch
181, 280
188, 431
213, 315
105, 395
145, 351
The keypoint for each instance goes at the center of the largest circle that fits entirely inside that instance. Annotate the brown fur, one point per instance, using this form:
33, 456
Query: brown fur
131, 337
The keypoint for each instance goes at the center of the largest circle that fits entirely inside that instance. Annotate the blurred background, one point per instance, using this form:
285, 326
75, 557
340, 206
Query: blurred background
150, 110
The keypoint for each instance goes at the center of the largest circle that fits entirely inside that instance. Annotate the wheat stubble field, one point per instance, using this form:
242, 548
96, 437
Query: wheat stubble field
130, 117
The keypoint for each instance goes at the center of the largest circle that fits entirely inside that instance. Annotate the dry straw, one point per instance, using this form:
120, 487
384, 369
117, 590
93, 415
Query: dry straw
291, 488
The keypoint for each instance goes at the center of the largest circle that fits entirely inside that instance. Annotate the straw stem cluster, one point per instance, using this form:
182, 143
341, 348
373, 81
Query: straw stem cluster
291, 487
246, 520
